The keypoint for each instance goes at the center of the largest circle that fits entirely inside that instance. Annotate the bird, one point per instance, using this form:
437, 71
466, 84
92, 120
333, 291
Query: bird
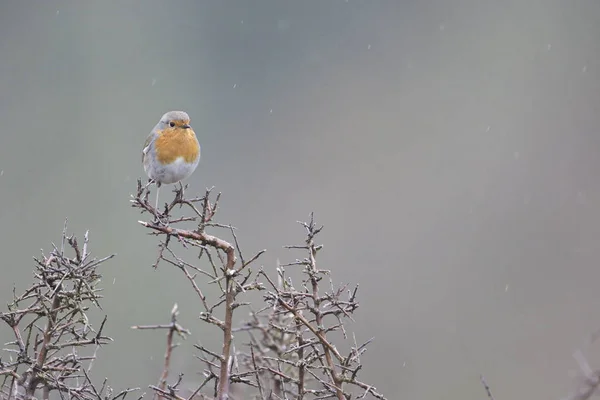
171, 152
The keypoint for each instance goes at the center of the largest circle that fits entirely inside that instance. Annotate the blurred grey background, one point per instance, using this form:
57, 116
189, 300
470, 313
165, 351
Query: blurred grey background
449, 147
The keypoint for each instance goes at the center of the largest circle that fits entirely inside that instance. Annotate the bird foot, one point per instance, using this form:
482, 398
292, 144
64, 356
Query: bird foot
160, 219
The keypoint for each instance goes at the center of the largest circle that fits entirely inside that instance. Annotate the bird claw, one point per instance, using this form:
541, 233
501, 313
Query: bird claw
159, 220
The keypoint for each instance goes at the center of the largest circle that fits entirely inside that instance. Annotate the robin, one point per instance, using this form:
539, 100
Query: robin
171, 152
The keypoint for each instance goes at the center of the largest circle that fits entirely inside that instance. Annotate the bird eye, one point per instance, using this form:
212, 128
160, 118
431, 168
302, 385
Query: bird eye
172, 124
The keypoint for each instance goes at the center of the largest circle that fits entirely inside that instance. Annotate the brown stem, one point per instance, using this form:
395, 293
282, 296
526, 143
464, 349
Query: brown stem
301, 368
227, 329
327, 347
223, 387
41, 358
168, 352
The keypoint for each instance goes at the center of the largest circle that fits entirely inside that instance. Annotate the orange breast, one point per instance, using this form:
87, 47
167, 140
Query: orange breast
174, 143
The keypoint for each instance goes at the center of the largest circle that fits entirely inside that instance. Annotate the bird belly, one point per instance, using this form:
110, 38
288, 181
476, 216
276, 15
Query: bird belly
173, 172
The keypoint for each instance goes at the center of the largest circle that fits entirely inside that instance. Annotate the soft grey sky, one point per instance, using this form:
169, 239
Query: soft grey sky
449, 147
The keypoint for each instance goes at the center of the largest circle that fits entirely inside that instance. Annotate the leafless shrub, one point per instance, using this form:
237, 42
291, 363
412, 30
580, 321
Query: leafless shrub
55, 342
289, 353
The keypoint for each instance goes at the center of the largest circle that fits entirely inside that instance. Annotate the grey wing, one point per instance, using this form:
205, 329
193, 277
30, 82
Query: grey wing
147, 145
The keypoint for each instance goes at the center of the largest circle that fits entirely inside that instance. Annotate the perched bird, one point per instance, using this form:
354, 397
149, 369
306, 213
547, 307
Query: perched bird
171, 152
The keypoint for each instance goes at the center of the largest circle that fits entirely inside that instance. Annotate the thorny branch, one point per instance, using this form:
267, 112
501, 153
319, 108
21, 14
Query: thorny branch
172, 328
306, 317
289, 353
52, 330
230, 278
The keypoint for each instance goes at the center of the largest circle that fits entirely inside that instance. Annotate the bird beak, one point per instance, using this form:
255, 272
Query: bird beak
186, 126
